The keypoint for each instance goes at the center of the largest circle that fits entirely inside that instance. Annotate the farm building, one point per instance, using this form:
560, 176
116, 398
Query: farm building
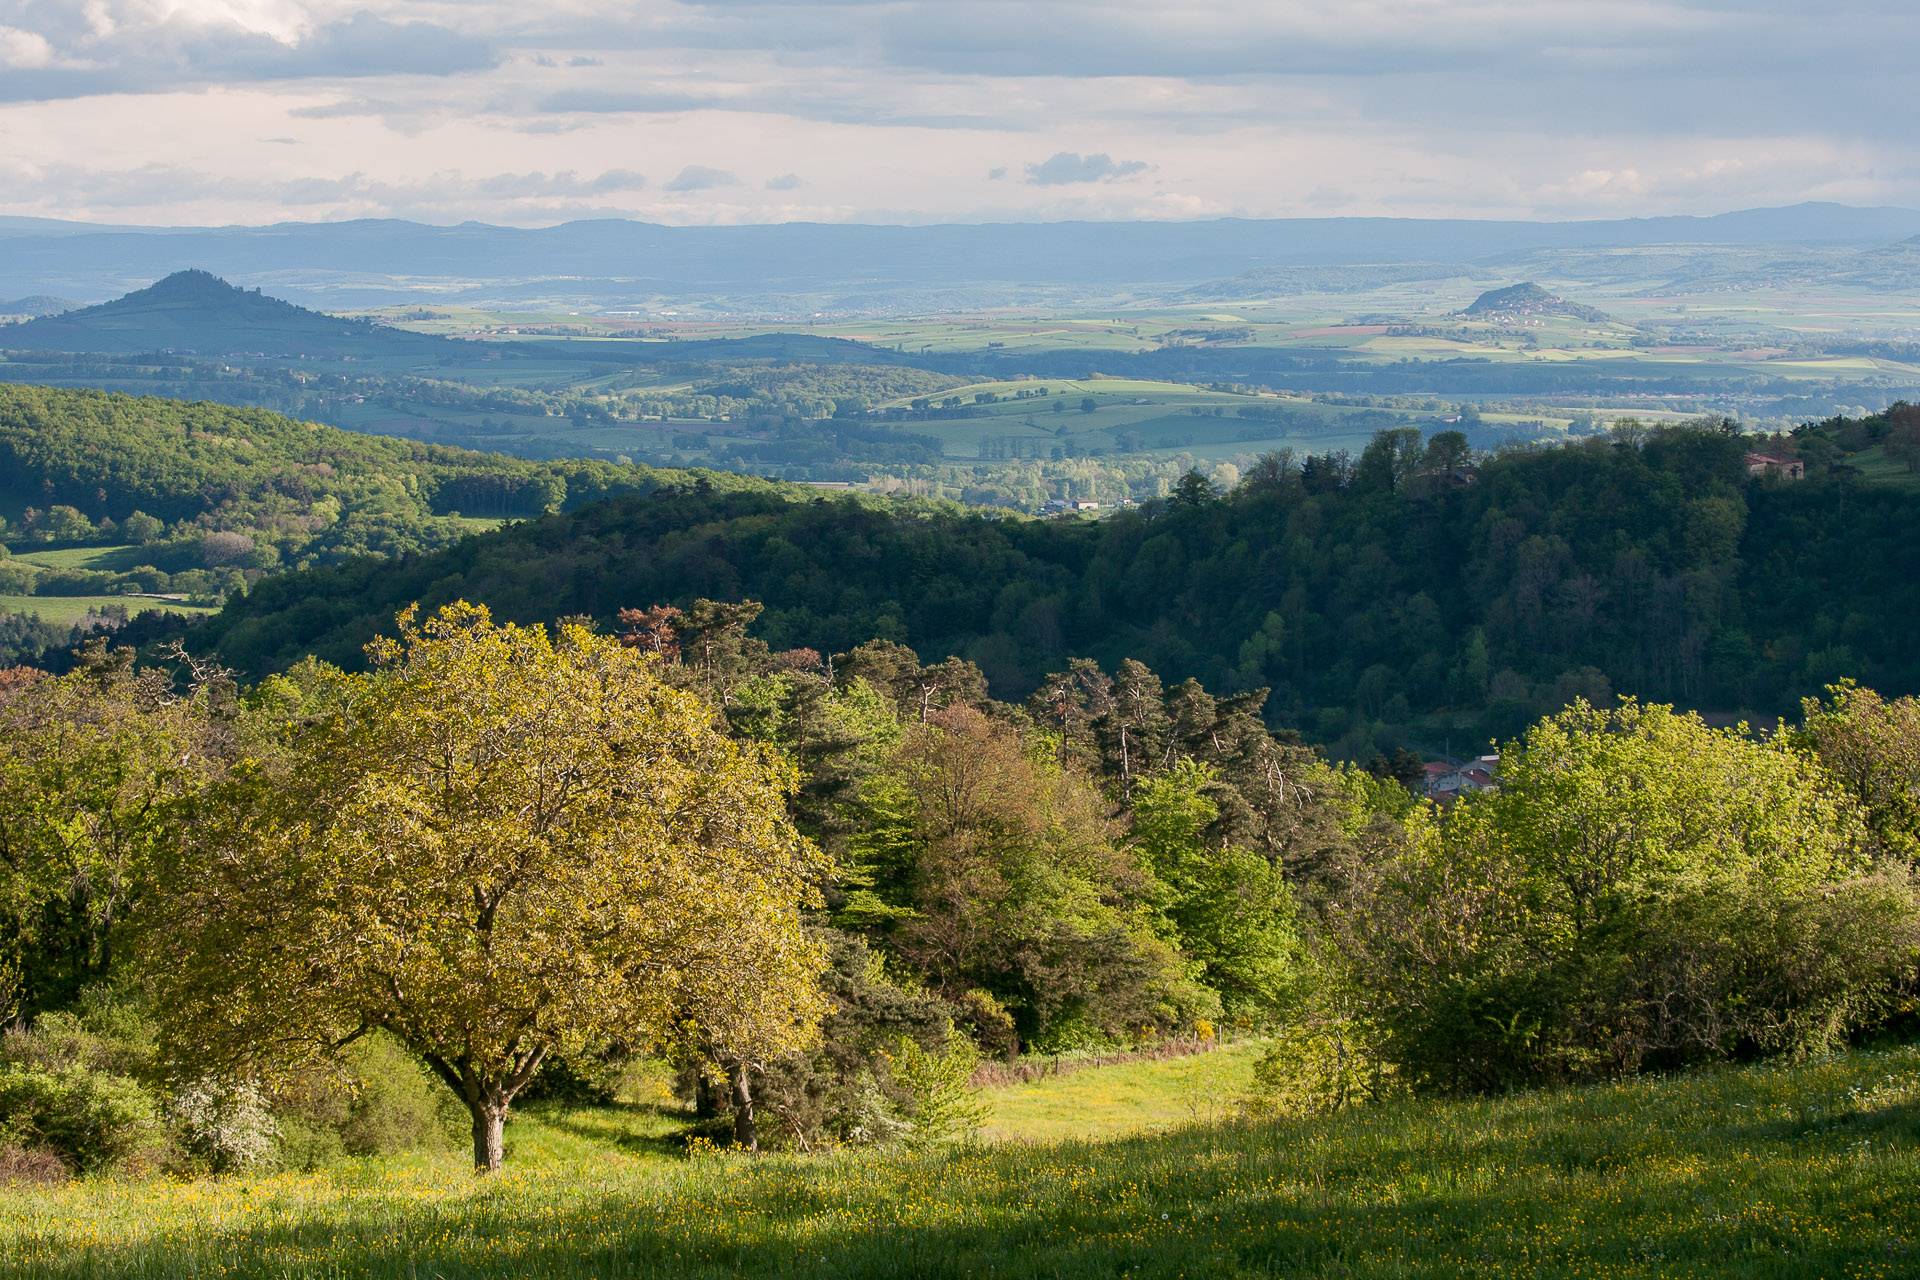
1771, 464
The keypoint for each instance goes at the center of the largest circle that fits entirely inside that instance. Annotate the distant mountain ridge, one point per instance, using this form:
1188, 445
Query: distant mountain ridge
614, 258
195, 311
34, 307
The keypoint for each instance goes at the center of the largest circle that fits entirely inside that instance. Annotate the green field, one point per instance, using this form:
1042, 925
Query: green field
67, 611
1771, 1172
75, 557
1135, 416
1877, 467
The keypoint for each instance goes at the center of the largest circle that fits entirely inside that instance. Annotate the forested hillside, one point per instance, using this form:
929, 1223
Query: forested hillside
77, 467
114, 505
1411, 594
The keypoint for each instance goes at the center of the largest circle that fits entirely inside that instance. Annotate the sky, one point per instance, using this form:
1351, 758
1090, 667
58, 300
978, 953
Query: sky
197, 112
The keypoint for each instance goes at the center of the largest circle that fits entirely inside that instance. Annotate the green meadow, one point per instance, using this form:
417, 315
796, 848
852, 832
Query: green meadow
1141, 416
1764, 1173
67, 611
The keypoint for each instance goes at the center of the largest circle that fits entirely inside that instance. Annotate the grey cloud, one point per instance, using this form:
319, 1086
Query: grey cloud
172, 54
804, 102
1065, 167
785, 182
367, 45
623, 101
566, 183
1653, 66
698, 177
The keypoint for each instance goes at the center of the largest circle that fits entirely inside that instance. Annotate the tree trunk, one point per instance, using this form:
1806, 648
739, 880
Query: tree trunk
745, 1132
489, 1137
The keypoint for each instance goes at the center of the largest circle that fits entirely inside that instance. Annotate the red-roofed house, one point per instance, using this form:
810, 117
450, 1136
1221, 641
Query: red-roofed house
1773, 464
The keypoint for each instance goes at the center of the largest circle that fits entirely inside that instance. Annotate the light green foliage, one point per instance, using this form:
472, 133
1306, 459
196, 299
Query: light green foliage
1872, 746
1640, 890
942, 1104
96, 768
1328, 1054
1017, 887
91, 1119
1228, 909
376, 1099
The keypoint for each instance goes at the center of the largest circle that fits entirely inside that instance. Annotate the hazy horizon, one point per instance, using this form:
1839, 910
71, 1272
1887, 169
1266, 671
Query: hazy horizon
449, 223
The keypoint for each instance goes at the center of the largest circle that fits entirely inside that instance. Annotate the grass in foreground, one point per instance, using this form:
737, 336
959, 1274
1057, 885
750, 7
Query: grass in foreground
1763, 1172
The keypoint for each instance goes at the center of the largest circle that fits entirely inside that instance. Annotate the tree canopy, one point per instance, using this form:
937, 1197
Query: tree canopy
1384, 600
498, 844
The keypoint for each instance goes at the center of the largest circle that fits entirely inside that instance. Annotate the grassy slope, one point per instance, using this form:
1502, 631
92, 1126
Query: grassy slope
1878, 468
66, 611
1132, 1098
1764, 1172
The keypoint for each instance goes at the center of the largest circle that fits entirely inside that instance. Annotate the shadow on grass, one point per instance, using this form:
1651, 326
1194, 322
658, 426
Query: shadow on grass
1843, 1123
644, 1128
1675, 1180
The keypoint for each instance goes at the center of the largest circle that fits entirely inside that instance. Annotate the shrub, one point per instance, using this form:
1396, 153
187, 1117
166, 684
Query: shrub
29, 1164
1327, 1056
397, 1104
102, 1033
223, 1126
840, 1090
1873, 747
989, 1023
89, 1119
1642, 890
940, 1103
377, 1100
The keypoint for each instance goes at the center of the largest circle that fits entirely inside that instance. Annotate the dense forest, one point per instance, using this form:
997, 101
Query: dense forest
1416, 593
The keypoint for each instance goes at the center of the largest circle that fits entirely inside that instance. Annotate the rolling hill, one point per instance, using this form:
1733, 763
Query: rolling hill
1529, 299
199, 313
32, 308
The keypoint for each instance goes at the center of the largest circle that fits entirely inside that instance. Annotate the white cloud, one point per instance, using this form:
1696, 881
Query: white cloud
24, 50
